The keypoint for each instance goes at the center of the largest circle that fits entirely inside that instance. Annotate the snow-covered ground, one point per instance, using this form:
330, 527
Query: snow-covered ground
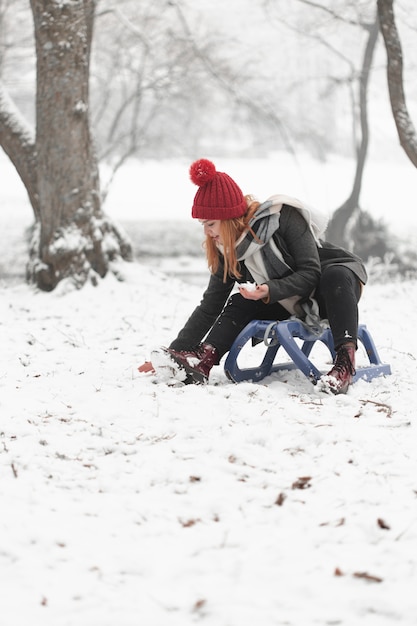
126, 502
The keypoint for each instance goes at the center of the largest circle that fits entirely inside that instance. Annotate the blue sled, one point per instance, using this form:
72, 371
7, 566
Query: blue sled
277, 334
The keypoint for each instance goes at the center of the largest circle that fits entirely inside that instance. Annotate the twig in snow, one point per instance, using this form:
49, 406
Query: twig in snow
383, 408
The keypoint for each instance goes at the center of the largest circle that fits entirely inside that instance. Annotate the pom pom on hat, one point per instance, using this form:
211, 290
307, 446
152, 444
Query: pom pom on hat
202, 171
218, 196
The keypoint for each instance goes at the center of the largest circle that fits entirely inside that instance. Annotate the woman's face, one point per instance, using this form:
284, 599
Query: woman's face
212, 229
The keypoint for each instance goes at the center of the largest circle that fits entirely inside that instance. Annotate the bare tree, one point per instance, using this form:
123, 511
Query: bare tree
161, 87
72, 239
405, 128
337, 230
345, 15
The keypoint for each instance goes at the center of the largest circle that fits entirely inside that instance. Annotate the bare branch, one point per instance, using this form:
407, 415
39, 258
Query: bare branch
17, 138
333, 14
405, 128
266, 110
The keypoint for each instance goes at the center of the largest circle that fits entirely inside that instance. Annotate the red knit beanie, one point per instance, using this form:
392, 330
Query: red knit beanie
218, 197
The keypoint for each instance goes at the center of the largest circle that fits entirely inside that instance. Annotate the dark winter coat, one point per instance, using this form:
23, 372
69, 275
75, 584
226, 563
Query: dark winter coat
303, 260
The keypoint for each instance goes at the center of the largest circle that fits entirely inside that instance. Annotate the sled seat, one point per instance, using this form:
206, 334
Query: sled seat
284, 334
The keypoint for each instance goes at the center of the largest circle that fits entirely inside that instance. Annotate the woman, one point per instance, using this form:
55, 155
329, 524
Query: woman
275, 245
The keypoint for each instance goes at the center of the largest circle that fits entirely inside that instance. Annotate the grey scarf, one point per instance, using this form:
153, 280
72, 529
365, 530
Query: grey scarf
264, 259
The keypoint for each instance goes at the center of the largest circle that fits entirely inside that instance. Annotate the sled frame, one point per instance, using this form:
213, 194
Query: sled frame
283, 334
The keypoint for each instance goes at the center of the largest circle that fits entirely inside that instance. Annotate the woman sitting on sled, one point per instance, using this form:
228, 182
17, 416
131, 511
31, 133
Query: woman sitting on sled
274, 245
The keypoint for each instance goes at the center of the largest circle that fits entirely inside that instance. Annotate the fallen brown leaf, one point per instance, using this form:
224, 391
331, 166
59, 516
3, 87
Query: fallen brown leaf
188, 523
302, 483
280, 499
383, 524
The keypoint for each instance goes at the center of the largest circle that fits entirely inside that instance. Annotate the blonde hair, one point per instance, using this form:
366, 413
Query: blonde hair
230, 231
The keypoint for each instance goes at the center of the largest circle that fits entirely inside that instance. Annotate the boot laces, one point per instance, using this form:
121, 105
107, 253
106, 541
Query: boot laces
343, 362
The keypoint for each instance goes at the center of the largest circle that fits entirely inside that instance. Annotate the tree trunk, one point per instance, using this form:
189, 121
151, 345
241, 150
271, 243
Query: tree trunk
337, 230
406, 131
73, 239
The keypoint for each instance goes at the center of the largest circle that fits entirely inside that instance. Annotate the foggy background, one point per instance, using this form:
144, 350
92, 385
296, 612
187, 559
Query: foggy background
247, 83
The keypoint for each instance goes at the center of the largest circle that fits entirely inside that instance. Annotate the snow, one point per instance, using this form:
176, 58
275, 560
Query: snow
161, 190
17, 123
248, 286
126, 501
165, 192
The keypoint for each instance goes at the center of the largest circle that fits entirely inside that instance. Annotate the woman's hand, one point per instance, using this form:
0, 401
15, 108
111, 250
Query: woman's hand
261, 292
146, 367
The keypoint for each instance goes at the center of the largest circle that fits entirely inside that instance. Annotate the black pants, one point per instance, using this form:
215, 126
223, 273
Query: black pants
337, 295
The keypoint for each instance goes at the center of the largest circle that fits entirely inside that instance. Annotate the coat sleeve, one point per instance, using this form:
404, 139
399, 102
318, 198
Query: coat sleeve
295, 239
205, 314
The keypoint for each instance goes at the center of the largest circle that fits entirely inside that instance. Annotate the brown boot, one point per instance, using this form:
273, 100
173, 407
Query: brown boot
340, 376
197, 363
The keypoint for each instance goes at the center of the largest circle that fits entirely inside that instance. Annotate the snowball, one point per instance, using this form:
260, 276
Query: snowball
248, 286
166, 370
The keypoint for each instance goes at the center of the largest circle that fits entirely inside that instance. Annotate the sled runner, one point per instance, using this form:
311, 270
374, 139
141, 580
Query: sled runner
284, 334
